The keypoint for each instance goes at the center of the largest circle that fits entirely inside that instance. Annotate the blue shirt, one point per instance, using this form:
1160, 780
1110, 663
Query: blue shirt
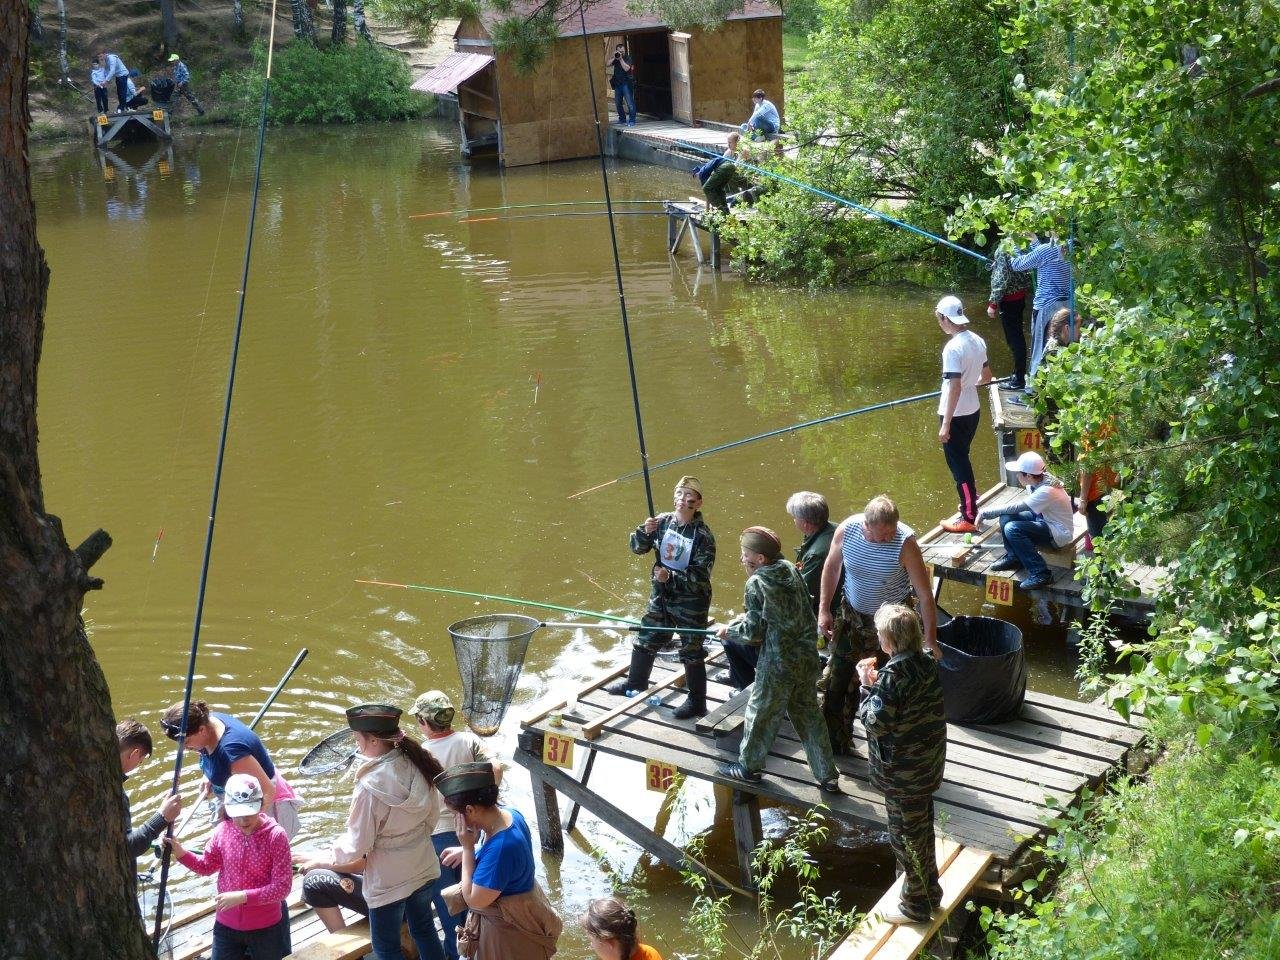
1053, 273
115, 67
765, 110
180, 73
237, 741
98, 77
504, 861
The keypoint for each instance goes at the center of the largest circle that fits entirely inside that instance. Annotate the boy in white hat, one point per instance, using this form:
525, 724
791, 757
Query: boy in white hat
964, 369
1044, 517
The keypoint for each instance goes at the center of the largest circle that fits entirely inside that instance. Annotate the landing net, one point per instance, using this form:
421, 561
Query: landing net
490, 652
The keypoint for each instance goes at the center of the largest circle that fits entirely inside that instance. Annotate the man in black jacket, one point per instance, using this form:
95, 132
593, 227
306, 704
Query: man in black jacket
134, 741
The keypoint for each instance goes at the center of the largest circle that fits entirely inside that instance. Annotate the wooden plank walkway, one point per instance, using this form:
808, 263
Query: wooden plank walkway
998, 783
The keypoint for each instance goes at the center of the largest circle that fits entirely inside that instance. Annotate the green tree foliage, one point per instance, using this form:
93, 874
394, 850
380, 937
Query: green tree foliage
310, 84
904, 104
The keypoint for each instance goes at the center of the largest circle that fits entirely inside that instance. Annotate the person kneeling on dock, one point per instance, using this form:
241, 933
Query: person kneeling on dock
778, 616
1044, 517
680, 596
718, 173
907, 748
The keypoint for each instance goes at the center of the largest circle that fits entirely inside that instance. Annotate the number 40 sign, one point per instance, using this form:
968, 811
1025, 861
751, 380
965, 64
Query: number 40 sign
999, 590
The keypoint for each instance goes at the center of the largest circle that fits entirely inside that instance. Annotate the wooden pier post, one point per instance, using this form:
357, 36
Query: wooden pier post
746, 833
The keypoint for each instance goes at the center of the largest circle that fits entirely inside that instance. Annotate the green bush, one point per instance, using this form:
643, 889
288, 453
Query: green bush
309, 84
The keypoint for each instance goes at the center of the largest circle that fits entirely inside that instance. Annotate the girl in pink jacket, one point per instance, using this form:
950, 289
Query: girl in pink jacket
250, 854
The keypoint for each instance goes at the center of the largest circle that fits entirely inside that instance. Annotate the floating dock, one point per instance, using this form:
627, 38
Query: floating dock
1003, 784
130, 125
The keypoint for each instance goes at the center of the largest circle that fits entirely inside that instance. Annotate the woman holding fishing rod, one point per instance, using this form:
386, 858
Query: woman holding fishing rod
680, 596
226, 746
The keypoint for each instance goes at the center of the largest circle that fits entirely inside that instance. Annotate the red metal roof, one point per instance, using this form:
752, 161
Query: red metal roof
613, 16
451, 71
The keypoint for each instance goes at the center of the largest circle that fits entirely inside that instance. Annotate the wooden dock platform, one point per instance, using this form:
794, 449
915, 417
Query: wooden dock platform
130, 125
1002, 785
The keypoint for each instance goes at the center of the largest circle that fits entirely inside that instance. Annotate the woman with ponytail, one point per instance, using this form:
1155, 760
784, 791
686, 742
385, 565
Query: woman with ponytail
388, 840
611, 928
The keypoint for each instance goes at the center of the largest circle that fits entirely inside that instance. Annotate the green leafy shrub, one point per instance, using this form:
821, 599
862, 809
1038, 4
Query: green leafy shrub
310, 84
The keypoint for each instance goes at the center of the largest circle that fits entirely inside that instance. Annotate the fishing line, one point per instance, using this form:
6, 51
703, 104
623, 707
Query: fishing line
764, 436
841, 200
522, 206
217, 470
580, 213
617, 262
492, 596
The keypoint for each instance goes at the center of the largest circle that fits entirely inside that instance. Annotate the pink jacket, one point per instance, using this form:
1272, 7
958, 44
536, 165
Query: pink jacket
259, 864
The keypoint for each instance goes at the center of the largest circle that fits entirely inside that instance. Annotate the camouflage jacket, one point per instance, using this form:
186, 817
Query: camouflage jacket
687, 590
1006, 281
810, 556
778, 615
906, 732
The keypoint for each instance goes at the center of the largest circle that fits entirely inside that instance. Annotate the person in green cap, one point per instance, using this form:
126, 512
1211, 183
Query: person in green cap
778, 616
680, 596
435, 712
182, 81
383, 865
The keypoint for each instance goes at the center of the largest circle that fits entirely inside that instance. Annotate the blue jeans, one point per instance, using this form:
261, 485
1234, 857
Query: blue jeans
384, 926
448, 877
767, 127
624, 97
1022, 533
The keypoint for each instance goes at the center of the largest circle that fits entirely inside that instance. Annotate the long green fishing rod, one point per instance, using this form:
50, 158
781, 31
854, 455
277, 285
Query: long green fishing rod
566, 213
500, 599
522, 206
841, 200
166, 856
764, 436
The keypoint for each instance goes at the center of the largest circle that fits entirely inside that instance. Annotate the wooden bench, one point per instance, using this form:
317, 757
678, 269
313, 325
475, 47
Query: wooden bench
346, 944
959, 869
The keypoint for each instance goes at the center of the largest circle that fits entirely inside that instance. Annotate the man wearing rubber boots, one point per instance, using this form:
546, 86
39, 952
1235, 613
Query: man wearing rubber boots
778, 616
876, 558
680, 595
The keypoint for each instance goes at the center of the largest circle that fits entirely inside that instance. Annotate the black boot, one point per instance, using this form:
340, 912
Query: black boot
695, 685
637, 678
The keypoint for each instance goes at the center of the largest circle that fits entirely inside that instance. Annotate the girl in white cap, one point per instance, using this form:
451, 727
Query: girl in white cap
1044, 517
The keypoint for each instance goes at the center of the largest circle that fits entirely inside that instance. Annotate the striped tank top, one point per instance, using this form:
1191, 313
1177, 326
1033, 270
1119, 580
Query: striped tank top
873, 572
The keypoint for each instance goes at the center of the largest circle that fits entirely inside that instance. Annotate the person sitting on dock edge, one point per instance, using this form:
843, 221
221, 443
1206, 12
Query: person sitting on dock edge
778, 616
874, 560
1044, 517
907, 748
764, 118
136, 99
623, 80
717, 174
964, 369
680, 596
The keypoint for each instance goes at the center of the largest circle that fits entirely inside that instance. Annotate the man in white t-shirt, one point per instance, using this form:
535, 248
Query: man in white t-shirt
964, 370
1044, 517
450, 747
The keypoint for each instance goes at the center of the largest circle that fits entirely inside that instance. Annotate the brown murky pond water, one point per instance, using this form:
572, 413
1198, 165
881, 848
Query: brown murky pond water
416, 399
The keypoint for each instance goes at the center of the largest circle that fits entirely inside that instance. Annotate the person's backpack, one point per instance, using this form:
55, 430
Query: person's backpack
162, 90
708, 168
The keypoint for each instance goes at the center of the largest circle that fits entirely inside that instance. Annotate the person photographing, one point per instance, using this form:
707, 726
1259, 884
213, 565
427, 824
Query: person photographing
622, 78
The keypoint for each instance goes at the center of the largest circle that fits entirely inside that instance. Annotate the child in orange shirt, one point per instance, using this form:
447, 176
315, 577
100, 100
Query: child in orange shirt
611, 928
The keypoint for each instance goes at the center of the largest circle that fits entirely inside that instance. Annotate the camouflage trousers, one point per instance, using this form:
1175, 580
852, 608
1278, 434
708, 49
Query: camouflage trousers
780, 692
853, 638
661, 626
911, 837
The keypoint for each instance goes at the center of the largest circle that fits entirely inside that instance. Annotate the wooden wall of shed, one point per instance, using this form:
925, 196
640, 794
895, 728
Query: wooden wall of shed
546, 114
727, 64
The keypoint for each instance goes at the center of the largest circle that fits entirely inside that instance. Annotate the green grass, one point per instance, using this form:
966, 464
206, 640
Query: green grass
795, 52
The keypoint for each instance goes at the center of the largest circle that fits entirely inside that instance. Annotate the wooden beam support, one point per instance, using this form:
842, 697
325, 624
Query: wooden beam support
547, 807
746, 834
576, 807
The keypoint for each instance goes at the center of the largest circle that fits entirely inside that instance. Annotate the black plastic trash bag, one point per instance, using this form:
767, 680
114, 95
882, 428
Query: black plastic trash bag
983, 670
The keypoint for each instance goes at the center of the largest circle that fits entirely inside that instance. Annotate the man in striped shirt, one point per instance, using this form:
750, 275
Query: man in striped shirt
1054, 283
877, 558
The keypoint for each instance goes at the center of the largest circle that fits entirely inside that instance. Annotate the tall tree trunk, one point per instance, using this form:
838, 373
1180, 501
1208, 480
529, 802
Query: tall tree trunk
65, 886
237, 16
304, 27
62, 40
36, 27
338, 35
362, 27
169, 23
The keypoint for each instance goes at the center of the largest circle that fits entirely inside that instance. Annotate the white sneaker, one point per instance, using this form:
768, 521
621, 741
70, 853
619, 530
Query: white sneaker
895, 915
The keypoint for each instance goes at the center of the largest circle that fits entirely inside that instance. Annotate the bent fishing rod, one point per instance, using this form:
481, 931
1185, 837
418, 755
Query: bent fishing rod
832, 418
166, 855
843, 201
522, 206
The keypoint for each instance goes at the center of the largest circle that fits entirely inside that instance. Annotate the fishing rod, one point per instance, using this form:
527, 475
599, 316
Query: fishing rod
841, 200
617, 261
502, 599
888, 404
166, 856
567, 213
522, 206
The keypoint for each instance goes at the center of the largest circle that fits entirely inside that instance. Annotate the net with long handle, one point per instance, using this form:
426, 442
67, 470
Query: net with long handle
490, 653
332, 753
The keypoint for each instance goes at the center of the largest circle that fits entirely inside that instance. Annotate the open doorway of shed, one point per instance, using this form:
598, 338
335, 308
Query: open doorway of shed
650, 54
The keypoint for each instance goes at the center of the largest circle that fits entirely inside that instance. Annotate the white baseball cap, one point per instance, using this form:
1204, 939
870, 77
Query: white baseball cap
951, 308
242, 796
1030, 462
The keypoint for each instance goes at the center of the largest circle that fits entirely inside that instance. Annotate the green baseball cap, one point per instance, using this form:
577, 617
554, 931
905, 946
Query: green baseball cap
436, 706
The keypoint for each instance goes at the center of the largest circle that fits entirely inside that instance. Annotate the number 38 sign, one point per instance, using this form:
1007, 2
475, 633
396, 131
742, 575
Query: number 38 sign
659, 775
1000, 590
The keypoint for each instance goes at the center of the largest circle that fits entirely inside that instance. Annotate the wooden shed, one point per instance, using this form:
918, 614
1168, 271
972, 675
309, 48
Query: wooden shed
546, 114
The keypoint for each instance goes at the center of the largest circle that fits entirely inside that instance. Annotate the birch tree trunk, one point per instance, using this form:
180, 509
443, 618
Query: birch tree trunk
65, 889
304, 27
362, 27
237, 16
338, 35
62, 40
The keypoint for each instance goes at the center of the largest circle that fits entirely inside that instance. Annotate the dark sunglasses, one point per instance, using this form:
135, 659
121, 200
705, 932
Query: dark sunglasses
171, 730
